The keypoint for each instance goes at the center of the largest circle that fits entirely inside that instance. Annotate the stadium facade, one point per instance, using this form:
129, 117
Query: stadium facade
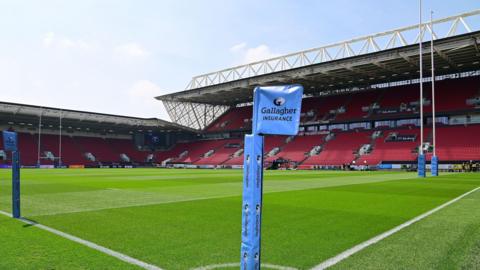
361, 108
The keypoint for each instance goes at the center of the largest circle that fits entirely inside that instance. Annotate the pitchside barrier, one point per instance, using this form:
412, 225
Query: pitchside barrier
10, 144
276, 111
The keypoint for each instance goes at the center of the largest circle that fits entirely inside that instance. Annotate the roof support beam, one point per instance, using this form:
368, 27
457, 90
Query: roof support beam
359, 72
446, 58
475, 44
409, 60
386, 68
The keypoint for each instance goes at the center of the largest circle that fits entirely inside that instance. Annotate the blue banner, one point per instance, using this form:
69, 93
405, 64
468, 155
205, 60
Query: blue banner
9, 141
276, 109
385, 166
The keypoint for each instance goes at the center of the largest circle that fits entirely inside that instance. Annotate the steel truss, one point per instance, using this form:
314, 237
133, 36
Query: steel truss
194, 115
354, 47
210, 95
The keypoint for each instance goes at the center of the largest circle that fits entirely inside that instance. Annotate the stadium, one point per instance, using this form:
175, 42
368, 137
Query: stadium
106, 191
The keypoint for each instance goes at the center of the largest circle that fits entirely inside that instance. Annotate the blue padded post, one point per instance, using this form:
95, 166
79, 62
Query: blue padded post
276, 111
15, 184
252, 202
434, 166
421, 165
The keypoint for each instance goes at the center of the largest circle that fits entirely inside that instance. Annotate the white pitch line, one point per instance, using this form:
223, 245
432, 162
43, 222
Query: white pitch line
349, 252
89, 244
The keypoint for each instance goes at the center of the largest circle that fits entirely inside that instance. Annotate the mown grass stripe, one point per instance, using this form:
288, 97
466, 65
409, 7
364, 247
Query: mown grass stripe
46, 204
89, 244
349, 252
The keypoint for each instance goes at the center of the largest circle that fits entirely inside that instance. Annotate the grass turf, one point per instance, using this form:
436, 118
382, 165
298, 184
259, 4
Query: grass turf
27, 247
179, 219
449, 239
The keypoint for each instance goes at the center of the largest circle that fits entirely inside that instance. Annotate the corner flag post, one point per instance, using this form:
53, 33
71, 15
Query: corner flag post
434, 162
15, 184
10, 144
421, 156
276, 111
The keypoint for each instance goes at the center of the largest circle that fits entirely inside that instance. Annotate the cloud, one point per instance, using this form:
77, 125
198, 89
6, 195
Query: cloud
244, 55
51, 40
261, 52
238, 47
131, 50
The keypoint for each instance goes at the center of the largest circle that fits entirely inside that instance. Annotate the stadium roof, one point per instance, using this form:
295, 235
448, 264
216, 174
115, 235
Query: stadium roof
28, 116
358, 63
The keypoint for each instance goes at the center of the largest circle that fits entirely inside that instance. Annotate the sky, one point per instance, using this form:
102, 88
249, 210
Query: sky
115, 56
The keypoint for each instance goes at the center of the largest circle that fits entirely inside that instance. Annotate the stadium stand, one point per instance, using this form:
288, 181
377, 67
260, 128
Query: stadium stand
332, 107
393, 145
99, 148
237, 118
197, 150
358, 102
74, 149
297, 149
28, 147
273, 145
390, 106
452, 95
458, 143
72, 153
366, 105
122, 146
341, 149
221, 154
360, 106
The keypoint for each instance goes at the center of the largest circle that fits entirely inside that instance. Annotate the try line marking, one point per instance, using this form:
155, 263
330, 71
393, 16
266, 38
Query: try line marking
89, 244
349, 252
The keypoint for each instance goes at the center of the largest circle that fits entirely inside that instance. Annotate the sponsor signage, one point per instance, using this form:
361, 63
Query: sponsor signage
76, 166
9, 141
276, 109
402, 138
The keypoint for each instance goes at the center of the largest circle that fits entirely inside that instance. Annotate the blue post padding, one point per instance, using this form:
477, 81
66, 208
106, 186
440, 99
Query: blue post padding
277, 109
252, 202
10, 141
434, 166
16, 184
421, 165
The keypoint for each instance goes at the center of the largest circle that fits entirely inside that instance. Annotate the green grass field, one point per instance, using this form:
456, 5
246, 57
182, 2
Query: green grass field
184, 219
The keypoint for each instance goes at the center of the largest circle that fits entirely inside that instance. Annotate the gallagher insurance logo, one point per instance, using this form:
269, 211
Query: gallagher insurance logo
279, 101
278, 112
10, 139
